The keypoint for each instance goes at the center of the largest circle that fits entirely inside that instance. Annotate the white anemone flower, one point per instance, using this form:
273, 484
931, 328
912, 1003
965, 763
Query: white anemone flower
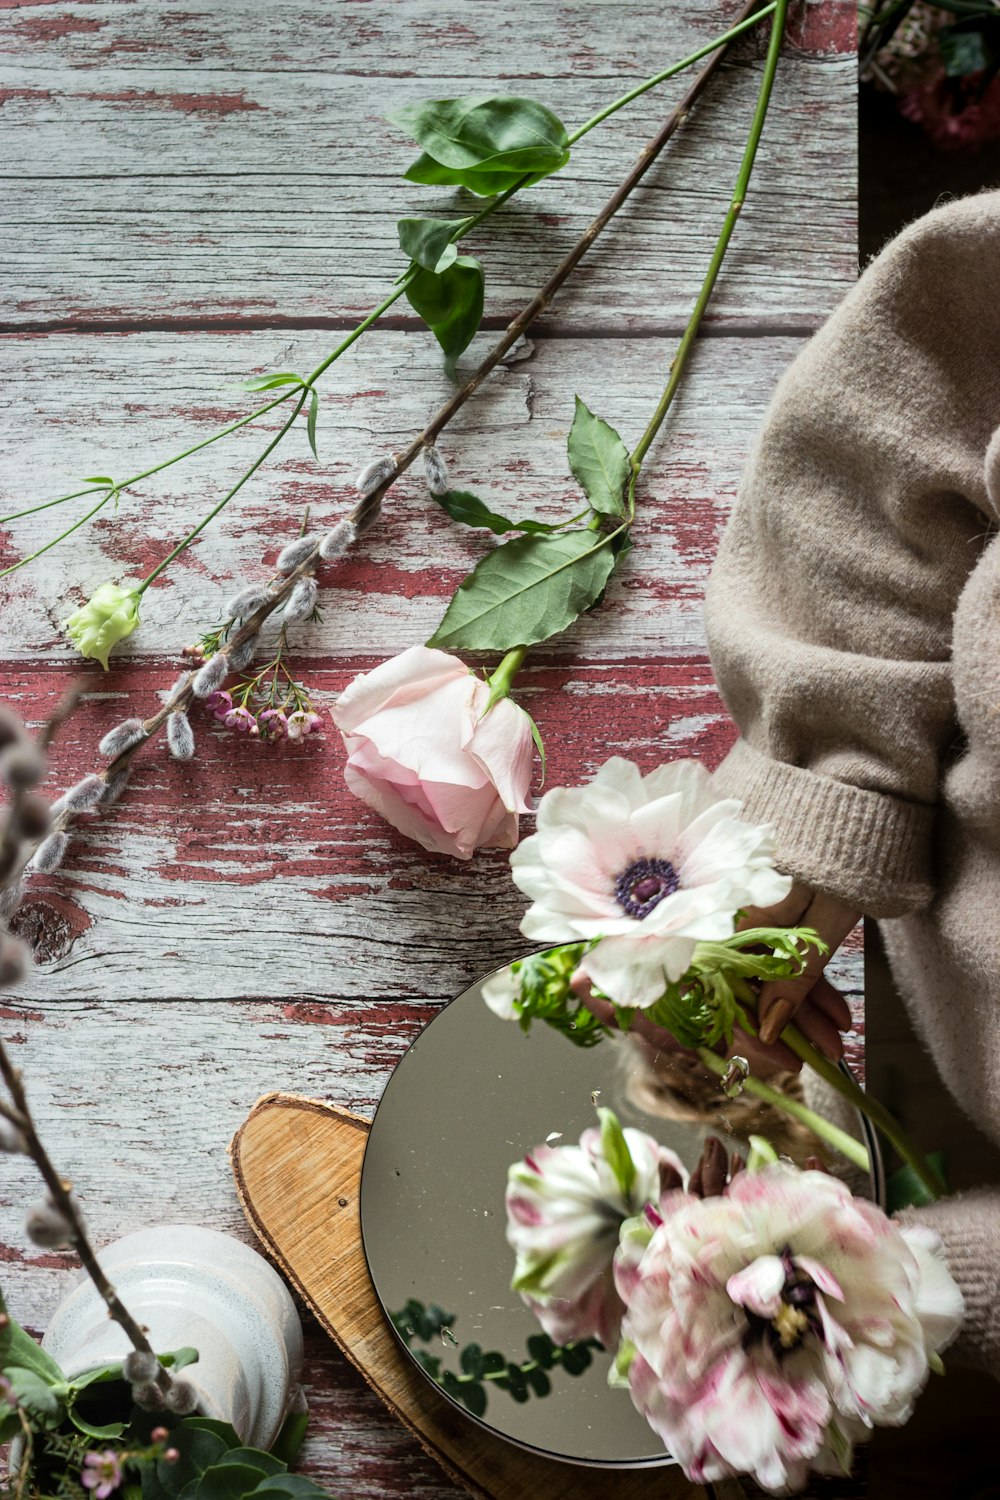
648, 864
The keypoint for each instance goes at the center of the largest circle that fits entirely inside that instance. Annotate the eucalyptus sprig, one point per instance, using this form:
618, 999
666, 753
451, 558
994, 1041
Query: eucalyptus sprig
488, 146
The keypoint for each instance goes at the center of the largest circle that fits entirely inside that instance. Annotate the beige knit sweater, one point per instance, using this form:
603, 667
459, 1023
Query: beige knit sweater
853, 619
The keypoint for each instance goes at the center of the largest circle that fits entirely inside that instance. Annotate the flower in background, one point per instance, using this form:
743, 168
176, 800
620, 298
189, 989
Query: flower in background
424, 752
102, 1473
109, 616
649, 865
768, 1329
565, 1208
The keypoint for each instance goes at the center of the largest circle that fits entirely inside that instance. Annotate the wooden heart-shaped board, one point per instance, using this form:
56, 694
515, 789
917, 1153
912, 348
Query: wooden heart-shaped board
297, 1164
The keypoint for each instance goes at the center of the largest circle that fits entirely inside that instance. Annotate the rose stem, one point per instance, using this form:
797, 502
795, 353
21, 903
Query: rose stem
750, 17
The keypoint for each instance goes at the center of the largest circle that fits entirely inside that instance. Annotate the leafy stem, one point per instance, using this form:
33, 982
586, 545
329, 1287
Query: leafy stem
729, 224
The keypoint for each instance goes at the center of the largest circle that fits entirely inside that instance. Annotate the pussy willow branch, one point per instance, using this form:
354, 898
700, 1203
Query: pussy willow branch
61, 1196
364, 513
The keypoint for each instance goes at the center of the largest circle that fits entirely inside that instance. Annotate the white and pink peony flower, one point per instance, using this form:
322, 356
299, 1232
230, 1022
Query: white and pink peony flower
767, 1330
565, 1207
650, 865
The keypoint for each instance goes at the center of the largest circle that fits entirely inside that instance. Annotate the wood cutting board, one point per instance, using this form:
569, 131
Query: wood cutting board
297, 1164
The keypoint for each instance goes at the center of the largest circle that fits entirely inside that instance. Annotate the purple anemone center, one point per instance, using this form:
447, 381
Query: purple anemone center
643, 886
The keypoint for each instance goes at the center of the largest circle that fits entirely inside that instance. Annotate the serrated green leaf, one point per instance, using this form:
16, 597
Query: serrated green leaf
311, 421
599, 460
469, 510
271, 382
479, 137
526, 591
429, 241
451, 304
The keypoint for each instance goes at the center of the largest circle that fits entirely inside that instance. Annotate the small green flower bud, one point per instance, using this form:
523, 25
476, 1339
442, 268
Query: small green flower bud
110, 615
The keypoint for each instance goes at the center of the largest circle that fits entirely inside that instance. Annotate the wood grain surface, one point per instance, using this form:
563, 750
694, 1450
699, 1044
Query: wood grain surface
195, 195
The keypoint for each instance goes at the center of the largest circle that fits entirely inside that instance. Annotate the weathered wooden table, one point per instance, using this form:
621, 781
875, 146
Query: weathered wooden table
201, 193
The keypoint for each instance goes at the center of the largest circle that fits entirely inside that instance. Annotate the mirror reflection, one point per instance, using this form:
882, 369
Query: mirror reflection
479, 1151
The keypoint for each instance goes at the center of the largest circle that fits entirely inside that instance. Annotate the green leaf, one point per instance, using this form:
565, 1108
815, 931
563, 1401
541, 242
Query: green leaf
516, 1383
471, 511
471, 1361
964, 51
451, 304
493, 1362
486, 143
179, 1359
428, 1362
311, 421
615, 1149
225, 1433
98, 479
539, 743
473, 1398
271, 382
541, 1348
110, 1430
599, 461
289, 1487
526, 591
539, 1382
34, 1392
431, 173
904, 1188
291, 1437
225, 1481
100, 1376
198, 1451
429, 241
256, 1458
576, 1358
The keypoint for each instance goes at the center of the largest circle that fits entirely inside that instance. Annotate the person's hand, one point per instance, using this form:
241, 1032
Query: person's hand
820, 1011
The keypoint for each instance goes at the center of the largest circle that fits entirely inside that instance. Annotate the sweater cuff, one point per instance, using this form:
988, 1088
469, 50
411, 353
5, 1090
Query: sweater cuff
870, 849
968, 1224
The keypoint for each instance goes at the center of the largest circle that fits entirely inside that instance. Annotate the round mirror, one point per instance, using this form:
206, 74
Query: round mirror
472, 1096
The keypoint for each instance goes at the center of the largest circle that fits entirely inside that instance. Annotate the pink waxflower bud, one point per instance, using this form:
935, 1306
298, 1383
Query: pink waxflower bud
273, 723
240, 719
219, 703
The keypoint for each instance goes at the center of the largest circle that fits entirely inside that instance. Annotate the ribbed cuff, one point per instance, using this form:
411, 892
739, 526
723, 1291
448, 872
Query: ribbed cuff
969, 1226
870, 849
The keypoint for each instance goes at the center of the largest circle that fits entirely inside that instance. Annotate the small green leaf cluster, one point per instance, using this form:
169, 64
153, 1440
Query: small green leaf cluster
214, 1465
479, 1369
545, 995
534, 587
488, 145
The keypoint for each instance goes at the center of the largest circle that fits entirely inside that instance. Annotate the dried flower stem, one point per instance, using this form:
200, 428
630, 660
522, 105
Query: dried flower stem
19, 1115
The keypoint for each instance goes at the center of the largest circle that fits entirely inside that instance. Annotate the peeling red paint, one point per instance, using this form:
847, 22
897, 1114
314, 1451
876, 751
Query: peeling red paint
6, 95
51, 28
188, 104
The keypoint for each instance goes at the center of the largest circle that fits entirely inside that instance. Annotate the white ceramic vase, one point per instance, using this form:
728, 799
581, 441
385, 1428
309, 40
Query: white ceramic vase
192, 1286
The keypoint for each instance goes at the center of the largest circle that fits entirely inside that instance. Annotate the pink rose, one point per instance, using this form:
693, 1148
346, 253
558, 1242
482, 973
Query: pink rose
423, 752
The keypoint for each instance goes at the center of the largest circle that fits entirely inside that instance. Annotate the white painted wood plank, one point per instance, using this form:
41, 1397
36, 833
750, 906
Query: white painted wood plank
234, 162
111, 405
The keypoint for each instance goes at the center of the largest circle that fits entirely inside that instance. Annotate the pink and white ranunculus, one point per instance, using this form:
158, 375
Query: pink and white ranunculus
565, 1207
425, 754
767, 1330
648, 864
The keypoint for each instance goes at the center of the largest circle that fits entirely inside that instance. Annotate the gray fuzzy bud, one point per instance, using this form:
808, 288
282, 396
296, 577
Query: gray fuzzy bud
374, 475
12, 1142
87, 793
48, 1228
140, 1367
211, 677
11, 728
338, 540
33, 816
302, 600
181, 1398
115, 785
122, 738
436, 471
242, 656
296, 552
180, 736
50, 854
14, 960
247, 601
10, 900
22, 765
148, 1397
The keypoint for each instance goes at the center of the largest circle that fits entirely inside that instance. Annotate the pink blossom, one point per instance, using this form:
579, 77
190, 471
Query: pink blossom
767, 1330
949, 112
423, 751
102, 1473
219, 703
302, 722
273, 723
240, 719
